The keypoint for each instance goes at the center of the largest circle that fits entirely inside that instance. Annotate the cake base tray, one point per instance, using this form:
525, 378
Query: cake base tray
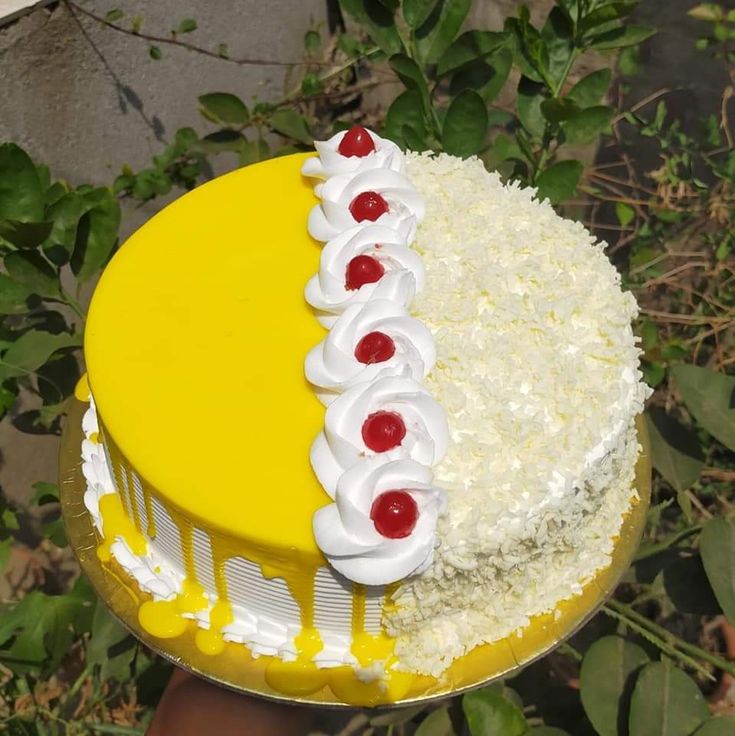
235, 669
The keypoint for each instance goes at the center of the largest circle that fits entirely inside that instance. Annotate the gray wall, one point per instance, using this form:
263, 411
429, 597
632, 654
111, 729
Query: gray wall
86, 99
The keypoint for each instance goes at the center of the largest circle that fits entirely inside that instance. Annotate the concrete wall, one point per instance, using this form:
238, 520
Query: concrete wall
86, 99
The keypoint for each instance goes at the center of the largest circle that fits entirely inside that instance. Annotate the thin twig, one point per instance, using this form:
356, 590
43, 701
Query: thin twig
246, 61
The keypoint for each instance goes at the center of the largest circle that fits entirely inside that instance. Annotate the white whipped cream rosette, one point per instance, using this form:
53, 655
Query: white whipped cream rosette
348, 537
341, 444
331, 366
332, 216
404, 276
330, 162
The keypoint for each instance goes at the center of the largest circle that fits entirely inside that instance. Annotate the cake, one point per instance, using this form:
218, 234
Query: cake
358, 413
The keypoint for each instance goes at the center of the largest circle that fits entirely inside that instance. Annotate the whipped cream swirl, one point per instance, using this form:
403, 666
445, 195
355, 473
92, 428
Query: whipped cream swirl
347, 535
341, 444
332, 216
383, 431
330, 162
404, 273
332, 367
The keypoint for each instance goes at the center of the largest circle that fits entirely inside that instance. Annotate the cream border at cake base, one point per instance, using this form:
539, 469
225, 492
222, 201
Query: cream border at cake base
236, 670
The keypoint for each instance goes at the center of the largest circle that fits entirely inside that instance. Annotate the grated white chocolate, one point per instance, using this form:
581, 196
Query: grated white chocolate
537, 368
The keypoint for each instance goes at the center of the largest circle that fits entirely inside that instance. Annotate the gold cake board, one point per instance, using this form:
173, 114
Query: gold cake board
234, 668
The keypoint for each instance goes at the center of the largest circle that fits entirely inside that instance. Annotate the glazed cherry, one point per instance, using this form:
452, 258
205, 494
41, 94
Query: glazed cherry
368, 206
375, 347
383, 430
356, 142
394, 514
362, 270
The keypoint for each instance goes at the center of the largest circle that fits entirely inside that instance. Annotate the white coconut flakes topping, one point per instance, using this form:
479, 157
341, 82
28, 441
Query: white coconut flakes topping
537, 369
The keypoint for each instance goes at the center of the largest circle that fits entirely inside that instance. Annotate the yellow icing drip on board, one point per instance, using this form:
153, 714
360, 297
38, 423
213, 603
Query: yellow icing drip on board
210, 641
162, 619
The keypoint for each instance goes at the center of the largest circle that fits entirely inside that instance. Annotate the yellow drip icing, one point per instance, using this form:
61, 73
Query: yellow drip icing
148, 503
94, 437
133, 500
211, 641
81, 390
116, 523
162, 619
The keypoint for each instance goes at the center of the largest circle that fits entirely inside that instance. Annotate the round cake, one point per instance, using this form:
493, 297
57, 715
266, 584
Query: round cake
361, 411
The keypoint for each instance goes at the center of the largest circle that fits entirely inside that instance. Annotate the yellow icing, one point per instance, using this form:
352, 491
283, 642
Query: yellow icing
81, 390
195, 344
162, 619
117, 524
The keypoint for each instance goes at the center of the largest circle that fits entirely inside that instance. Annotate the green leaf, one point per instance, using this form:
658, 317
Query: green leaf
625, 214
717, 548
530, 98
558, 109
112, 15
187, 26
606, 14
224, 108
48, 624
590, 89
289, 123
155, 53
219, 141
530, 51
45, 493
65, 214
32, 270
546, 731
416, 12
32, 349
13, 296
688, 588
21, 193
621, 37
465, 125
586, 125
106, 645
437, 723
675, 450
484, 77
488, 712
665, 702
6, 548
254, 151
557, 35
25, 234
608, 672
378, 21
470, 47
708, 395
312, 41
96, 233
435, 36
559, 181
409, 73
717, 726
709, 12
406, 111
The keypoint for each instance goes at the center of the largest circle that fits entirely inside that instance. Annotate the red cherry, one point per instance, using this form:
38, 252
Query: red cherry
375, 347
356, 142
368, 206
383, 430
394, 514
363, 270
